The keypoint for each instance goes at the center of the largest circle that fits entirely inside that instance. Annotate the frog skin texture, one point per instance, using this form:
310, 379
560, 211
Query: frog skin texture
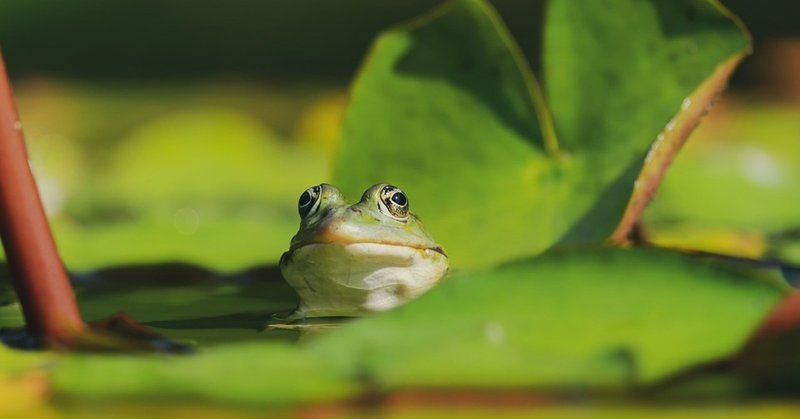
350, 260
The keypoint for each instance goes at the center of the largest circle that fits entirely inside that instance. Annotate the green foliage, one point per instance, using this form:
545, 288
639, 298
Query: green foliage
210, 153
199, 173
601, 319
266, 374
447, 109
742, 165
186, 303
16, 362
611, 93
740, 153
201, 186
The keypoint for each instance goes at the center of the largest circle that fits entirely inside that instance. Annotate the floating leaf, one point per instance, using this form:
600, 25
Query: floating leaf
602, 318
246, 373
599, 320
23, 386
207, 186
182, 302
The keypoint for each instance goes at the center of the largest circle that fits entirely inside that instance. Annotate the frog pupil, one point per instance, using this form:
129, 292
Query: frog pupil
394, 201
305, 199
399, 198
306, 203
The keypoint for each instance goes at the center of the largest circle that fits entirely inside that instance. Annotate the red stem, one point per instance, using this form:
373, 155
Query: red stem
39, 277
784, 318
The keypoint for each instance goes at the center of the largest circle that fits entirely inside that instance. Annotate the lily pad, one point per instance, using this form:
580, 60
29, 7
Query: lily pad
150, 173
598, 318
183, 302
182, 186
447, 109
602, 319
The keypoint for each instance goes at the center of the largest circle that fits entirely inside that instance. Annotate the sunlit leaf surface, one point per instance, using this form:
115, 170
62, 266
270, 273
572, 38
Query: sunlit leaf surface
447, 109
608, 317
602, 319
184, 302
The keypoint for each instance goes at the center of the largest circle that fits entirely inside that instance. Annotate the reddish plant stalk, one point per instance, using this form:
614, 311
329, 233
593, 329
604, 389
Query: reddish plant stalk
38, 273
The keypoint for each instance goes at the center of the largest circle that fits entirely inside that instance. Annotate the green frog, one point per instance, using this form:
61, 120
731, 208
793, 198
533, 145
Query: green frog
350, 260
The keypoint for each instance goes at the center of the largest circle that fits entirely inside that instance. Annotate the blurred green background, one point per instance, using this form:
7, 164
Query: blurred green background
164, 131
175, 131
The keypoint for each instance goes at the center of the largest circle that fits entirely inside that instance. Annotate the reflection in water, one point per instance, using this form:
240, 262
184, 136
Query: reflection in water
183, 302
308, 329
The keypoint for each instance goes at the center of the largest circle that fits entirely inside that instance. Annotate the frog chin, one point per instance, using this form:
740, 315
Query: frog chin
353, 279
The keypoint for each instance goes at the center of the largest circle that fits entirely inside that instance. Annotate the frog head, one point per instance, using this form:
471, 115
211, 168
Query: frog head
348, 260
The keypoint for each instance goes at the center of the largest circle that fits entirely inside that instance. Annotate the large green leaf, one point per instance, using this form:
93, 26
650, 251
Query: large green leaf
443, 109
271, 374
603, 319
183, 302
624, 74
447, 109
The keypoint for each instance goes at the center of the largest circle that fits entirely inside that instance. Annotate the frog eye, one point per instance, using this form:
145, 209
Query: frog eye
309, 201
394, 201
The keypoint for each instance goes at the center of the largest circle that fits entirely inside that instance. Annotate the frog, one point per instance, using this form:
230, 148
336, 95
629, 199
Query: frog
350, 260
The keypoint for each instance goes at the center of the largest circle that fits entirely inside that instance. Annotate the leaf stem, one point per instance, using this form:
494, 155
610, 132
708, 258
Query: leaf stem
669, 142
38, 273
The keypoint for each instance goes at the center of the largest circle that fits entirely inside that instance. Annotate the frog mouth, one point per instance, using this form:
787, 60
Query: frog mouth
336, 279
436, 249
287, 256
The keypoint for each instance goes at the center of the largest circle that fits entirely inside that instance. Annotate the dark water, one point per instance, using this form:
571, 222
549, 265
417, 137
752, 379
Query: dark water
186, 304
